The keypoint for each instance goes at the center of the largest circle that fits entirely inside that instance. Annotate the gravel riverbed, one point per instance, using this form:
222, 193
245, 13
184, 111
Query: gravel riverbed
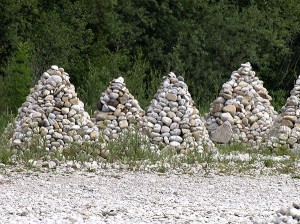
115, 196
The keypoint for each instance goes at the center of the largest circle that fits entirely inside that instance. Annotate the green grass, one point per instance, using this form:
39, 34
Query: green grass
6, 130
135, 152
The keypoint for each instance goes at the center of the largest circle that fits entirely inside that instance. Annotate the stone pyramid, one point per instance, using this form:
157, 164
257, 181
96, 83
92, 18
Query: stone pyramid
172, 119
52, 110
118, 111
242, 112
286, 131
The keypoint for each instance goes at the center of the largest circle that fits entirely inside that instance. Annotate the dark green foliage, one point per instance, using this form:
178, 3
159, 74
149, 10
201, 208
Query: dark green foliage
17, 82
142, 40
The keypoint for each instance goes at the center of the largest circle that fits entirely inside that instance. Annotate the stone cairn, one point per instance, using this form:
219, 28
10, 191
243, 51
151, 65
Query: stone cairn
172, 120
286, 131
53, 111
118, 111
242, 112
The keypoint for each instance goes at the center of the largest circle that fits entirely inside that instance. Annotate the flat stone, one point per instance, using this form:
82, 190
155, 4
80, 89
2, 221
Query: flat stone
54, 67
226, 96
245, 121
112, 108
65, 110
291, 118
123, 124
119, 80
94, 135
77, 108
71, 113
171, 114
17, 142
123, 100
57, 135
36, 115
252, 119
165, 129
286, 122
174, 144
197, 135
283, 136
230, 108
226, 116
55, 78
217, 107
114, 95
222, 134
157, 128
117, 112
74, 101
254, 126
292, 140
171, 97
113, 102
175, 131
176, 139
167, 121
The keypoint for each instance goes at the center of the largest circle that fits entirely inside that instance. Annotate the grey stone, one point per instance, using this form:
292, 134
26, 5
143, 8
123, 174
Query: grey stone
222, 134
167, 121
55, 78
176, 139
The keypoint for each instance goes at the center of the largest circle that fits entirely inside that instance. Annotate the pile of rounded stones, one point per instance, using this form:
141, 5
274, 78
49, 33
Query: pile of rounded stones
172, 120
242, 112
118, 111
286, 131
53, 111
289, 215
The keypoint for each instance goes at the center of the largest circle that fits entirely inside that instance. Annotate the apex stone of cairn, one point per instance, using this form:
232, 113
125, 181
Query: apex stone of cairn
172, 120
242, 112
53, 111
286, 131
118, 110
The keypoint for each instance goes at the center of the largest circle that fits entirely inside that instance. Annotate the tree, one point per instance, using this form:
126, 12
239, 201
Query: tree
18, 78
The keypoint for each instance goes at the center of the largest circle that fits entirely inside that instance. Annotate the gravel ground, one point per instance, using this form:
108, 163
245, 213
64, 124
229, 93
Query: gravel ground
115, 196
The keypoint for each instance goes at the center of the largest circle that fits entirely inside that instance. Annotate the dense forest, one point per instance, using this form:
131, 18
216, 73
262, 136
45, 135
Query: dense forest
142, 40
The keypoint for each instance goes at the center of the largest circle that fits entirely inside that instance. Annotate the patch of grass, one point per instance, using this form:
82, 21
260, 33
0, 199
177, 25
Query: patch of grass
235, 147
268, 163
5, 119
81, 152
296, 177
5, 156
131, 147
136, 151
6, 131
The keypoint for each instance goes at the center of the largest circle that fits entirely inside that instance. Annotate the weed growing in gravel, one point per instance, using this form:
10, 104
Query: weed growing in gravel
281, 160
130, 148
82, 152
5, 119
296, 176
268, 163
5, 153
136, 152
